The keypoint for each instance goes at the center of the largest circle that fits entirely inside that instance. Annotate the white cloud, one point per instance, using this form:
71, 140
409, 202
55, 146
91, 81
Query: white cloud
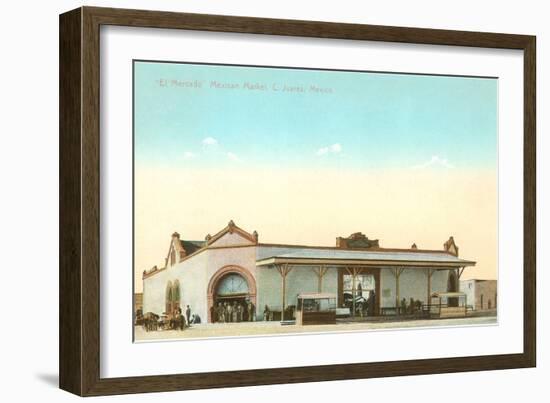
435, 161
233, 156
322, 151
213, 147
188, 155
334, 149
210, 141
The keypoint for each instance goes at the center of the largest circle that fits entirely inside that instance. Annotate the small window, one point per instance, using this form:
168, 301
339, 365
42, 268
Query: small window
176, 295
169, 298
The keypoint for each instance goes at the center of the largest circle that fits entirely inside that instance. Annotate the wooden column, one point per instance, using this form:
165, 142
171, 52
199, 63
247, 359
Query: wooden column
283, 270
353, 272
429, 273
397, 273
320, 271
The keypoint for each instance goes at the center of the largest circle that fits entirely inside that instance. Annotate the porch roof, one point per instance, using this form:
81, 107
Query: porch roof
335, 257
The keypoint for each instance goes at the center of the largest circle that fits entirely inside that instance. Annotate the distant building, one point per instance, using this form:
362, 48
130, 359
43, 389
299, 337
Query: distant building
480, 294
233, 268
138, 301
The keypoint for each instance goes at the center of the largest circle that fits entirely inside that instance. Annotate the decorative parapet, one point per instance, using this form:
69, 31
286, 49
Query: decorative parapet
152, 270
450, 246
357, 240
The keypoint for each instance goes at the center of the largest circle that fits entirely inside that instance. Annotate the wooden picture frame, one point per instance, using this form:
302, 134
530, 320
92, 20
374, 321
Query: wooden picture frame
79, 347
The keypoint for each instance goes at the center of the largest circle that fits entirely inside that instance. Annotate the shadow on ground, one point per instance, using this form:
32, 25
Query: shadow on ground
49, 379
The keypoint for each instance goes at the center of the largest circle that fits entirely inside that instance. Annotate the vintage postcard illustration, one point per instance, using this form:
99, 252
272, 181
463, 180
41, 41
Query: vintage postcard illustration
276, 200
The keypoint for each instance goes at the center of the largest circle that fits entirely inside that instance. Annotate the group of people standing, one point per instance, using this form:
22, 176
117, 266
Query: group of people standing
411, 307
227, 312
179, 321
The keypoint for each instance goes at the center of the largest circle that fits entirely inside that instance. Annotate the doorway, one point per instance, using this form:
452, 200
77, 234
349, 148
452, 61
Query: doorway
232, 295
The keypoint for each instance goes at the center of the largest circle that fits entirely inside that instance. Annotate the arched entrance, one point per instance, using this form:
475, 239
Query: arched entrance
233, 286
452, 286
172, 297
452, 282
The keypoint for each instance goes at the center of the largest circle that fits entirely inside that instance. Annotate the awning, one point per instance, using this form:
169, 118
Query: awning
378, 258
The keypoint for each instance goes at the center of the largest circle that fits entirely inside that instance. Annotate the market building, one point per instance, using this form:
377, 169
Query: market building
233, 268
481, 294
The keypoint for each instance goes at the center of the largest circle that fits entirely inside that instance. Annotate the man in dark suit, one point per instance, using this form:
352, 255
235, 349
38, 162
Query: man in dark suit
188, 314
181, 320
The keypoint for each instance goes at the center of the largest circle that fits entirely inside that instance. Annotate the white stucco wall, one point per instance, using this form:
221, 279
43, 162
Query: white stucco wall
412, 283
193, 280
299, 280
242, 256
154, 288
194, 275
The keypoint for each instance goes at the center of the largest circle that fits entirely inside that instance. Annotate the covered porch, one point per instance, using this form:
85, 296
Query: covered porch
369, 283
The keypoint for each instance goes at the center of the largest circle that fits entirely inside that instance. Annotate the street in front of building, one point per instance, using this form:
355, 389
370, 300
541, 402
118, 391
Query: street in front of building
207, 330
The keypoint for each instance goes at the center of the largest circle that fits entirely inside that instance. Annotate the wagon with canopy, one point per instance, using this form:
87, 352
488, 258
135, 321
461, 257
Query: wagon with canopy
316, 309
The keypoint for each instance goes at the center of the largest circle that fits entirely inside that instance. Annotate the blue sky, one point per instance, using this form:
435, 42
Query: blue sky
361, 121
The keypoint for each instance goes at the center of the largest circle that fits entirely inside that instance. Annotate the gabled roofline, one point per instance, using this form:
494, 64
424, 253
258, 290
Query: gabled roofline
230, 228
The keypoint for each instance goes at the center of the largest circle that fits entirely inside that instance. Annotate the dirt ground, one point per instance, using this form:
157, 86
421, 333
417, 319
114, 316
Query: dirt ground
208, 330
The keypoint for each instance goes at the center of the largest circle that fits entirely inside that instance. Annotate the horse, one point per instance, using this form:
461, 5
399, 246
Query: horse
150, 321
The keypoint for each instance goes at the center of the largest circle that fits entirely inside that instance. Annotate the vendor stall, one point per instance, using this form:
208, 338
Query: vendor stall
316, 309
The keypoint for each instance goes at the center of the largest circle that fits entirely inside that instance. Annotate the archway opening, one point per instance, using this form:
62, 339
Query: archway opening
232, 302
232, 295
172, 298
452, 286
168, 299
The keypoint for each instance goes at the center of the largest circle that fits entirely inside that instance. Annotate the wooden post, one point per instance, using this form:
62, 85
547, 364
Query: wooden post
429, 273
283, 270
397, 273
397, 293
320, 271
284, 299
353, 292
